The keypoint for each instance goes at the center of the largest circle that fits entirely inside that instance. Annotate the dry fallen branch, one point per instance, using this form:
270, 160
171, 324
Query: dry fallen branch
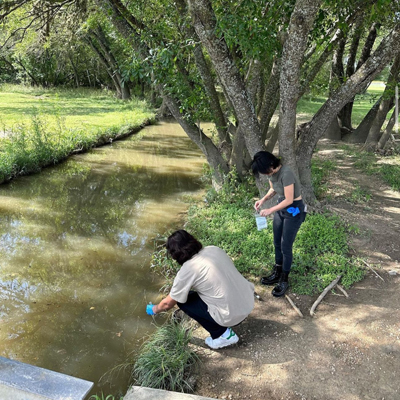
323, 294
294, 305
342, 290
372, 270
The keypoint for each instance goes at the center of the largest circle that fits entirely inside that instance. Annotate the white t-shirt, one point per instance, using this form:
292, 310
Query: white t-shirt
211, 273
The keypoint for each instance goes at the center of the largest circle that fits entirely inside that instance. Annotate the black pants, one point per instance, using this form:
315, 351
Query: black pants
198, 310
285, 229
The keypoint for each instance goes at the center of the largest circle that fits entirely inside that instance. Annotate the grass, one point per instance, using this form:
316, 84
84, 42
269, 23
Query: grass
166, 360
104, 397
78, 108
309, 105
43, 127
320, 251
385, 168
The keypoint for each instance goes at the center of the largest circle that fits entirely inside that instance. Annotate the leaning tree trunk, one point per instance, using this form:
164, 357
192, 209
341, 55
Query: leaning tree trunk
214, 158
346, 112
359, 135
386, 104
204, 22
355, 84
388, 131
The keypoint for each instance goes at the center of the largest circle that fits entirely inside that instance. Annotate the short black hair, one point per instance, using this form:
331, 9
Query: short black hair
182, 246
264, 162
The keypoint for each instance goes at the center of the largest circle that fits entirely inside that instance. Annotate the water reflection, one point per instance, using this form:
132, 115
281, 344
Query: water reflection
75, 243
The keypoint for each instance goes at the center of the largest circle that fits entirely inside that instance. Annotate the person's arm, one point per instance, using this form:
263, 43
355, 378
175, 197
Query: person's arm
270, 194
165, 305
289, 197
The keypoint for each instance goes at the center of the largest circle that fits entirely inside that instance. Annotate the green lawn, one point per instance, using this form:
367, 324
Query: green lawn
41, 127
309, 105
77, 108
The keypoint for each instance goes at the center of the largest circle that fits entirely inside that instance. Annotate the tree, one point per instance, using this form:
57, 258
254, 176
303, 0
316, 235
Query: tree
234, 61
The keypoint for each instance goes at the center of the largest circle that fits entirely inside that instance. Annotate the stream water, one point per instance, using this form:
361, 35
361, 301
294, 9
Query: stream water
75, 248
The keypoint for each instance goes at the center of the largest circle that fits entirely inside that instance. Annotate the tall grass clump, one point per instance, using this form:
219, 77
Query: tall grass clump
105, 397
166, 360
227, 220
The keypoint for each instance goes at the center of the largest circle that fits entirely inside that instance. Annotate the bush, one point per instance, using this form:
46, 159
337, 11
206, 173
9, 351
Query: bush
165, 360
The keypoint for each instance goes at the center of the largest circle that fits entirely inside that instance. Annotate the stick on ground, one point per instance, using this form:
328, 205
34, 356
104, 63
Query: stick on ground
372, 270
323, 294
342, 290
294, 305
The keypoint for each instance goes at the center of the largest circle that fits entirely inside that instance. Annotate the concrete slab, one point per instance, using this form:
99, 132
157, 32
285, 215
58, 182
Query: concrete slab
19, 381
142, 393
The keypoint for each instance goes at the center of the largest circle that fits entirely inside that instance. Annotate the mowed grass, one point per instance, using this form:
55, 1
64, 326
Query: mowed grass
309, 105
78, 108
41, 127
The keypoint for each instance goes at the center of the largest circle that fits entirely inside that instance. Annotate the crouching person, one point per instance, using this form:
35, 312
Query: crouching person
208, 288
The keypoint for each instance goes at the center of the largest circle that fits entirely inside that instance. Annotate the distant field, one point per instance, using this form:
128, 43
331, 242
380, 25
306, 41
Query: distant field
43, 127
308, 105
77, 108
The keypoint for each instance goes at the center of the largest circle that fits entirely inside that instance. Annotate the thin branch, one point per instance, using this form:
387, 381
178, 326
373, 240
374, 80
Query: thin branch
323, 294
342, 290
294, 305
372, 270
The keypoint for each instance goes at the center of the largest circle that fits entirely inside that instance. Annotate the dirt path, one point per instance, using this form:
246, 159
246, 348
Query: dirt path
351, 349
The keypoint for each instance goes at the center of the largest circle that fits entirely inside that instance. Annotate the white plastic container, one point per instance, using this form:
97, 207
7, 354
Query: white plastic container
261, 222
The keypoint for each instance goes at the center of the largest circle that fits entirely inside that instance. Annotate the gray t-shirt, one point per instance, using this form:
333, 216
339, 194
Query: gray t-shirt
285, 177
211, 273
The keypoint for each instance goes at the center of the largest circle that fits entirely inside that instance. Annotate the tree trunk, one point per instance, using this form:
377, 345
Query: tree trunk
112, 62
346, 112
386, 104
237, 152
359, 135
270, 98
321, 120
295, 45
273, 138
205, 25
388, 131
214, 158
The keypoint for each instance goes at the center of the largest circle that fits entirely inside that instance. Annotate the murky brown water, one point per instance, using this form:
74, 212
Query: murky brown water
75, 247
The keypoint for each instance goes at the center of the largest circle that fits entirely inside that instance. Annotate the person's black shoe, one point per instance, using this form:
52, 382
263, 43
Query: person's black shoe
283, 285
273, 277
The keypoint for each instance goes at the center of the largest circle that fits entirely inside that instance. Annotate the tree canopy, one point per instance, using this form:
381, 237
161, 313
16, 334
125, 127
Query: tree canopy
233, 62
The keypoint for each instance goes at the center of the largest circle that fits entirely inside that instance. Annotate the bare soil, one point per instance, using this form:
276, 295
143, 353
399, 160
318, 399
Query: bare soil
351, 348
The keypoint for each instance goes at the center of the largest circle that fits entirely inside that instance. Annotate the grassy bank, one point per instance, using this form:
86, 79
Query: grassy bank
227, 220
42, 127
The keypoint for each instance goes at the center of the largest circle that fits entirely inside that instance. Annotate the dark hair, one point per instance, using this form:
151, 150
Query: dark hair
264, 162
182, 246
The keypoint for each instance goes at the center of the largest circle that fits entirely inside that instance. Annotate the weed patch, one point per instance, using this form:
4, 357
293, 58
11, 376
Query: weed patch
320, 251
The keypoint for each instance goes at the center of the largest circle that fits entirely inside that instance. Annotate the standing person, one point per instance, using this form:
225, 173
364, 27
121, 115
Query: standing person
290, 213
208, 288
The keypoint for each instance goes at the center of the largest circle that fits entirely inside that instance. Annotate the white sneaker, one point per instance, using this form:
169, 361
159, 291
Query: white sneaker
221, 341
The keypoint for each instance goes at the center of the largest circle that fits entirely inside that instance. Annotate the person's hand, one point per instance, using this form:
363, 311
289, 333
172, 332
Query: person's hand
265, 212
257, 204
149, 309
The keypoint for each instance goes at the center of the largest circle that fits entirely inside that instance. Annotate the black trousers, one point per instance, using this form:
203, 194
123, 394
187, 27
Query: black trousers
285, 228
198, 310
